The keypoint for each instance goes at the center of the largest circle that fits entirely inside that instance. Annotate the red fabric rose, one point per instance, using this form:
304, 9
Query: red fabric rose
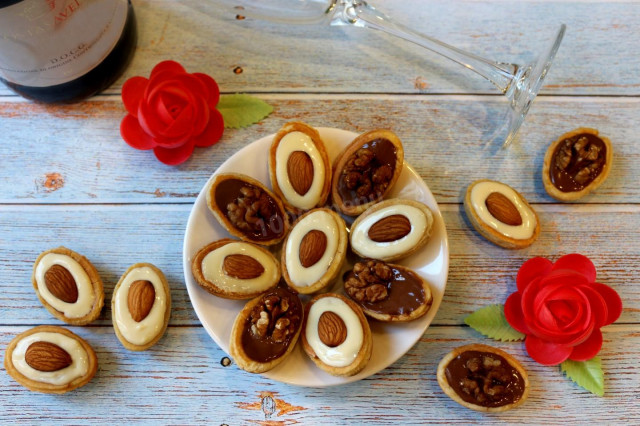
171, 112
561, 307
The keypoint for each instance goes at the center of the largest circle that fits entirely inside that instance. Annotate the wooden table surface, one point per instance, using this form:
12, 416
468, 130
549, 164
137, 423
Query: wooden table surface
67, 178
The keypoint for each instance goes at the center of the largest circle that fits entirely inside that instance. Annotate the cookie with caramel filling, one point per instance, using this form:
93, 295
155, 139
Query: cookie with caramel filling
388, 292
247, 209
576, 164
266, 330
366, 170
483, 378
299, 167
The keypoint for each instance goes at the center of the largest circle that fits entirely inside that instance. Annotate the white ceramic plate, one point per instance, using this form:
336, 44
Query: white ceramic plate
390, 341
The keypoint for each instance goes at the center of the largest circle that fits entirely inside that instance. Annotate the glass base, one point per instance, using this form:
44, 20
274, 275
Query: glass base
527, 83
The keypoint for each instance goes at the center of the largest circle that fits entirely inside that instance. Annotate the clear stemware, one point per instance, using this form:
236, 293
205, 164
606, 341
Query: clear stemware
520, 83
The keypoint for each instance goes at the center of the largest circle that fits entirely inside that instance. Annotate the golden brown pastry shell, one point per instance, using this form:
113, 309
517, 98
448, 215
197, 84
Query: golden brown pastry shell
37, 386
167, 314
336, 265
343, 157
296, 126
96, 283
447, 389
552, 190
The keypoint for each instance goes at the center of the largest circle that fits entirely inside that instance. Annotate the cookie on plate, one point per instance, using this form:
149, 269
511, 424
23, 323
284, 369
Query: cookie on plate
50, 359
391, 229
500, 214
336, 335
314, 251
576, 164
141, 307
299, 167
68, 285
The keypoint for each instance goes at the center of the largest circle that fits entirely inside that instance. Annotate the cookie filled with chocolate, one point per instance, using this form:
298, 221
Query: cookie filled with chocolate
247, 209
387, 292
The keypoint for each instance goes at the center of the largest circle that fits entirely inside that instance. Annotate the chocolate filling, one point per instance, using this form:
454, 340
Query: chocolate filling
270, 346
577, 161
485, 379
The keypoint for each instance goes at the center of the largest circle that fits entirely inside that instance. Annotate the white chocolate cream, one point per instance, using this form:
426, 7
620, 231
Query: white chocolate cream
140, 333
213, 269
86, 295
479, 194
345, 353
78, 368
321, 221
361, 242
298, 141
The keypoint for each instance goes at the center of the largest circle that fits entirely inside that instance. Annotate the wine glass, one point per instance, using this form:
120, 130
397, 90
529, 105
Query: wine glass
519, 83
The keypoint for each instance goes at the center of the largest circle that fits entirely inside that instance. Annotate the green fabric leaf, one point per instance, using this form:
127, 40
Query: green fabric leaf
491, 322
242, 110
586, 374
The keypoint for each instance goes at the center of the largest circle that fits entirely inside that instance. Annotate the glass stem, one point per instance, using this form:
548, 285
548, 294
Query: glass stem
359, 13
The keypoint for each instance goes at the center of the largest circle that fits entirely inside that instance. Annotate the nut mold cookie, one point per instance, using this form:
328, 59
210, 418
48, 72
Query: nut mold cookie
391, 229
314, 251
577, 163
235, 269
247, 209
68, 285
141, 307
299, 167
50, 359
483, 378
366, 170
336, 335
388, 292
266, 330
501, 214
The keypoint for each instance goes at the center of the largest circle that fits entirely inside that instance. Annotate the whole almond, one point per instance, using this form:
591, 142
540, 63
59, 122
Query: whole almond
503, 209
140, 300
390, 228
46, 356
300, 171
61, 284
332, 330
312, 247
242, 267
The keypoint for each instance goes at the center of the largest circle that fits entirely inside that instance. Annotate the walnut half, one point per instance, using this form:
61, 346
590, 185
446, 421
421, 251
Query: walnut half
368, 281
272, 319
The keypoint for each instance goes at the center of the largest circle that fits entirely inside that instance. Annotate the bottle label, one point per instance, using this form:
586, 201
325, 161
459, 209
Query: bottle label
49, 42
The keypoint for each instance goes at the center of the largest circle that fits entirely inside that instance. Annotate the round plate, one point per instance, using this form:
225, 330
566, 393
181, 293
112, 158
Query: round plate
390, 341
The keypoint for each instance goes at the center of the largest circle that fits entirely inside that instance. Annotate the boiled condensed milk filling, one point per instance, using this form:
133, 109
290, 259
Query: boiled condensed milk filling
345, 353
86, 296
479, 195
213, 268
78, 368
369, 248
140, 333
321, 221
298, 141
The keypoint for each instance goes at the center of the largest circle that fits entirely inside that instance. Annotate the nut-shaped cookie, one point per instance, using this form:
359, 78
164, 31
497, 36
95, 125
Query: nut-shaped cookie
235, 269
50, 359
141, 307
576, 164
336, 335
314, 251
366, 170
299, 167
266, 330
247, 209
391, 229
388, 292
483, 378
68, 285
501, 214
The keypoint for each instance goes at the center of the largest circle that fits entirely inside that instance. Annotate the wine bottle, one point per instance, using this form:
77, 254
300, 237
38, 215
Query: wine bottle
63, 51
